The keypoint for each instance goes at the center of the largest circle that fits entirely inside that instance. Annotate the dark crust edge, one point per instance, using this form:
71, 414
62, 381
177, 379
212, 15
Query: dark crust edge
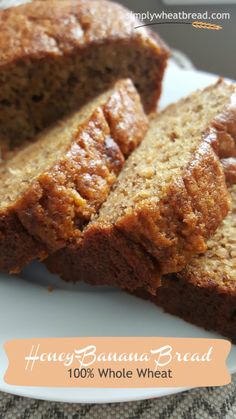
105, 257
199, 301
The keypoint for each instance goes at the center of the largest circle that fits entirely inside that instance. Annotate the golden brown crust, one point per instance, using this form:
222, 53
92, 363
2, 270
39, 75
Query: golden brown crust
39, 28
204, 293
140, 246
189, 213
125, 117
75, 49
161, 239
60, 201
222, 133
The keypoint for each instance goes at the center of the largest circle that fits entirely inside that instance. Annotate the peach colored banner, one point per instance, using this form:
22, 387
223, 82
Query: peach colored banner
117, 362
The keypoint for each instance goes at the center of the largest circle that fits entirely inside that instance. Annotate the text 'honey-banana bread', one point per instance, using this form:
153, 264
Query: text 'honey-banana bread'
169, 199
51, 188
57, 55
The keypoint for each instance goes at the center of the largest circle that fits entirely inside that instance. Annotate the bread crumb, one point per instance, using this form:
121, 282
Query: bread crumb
50, 288
147, 173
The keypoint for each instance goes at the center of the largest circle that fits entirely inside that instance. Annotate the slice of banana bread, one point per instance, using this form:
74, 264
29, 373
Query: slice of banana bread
57, 55
51, 188
170, 198
204, 293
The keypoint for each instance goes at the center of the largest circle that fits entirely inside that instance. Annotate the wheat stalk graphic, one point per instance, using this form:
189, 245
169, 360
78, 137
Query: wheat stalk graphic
205, 25
198, 25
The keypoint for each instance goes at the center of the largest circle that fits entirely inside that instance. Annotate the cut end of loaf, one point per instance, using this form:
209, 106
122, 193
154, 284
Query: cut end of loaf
74, 50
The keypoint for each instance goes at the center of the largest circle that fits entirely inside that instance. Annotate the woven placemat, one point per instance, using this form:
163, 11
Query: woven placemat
204, 403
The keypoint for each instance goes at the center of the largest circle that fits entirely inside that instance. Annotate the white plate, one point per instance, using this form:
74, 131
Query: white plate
28, 310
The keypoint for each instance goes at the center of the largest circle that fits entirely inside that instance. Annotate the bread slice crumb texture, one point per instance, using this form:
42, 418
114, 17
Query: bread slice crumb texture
219, 262
52, 187
169, 199
169, 145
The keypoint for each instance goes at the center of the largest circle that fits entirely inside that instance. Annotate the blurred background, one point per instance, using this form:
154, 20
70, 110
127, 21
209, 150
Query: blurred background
213, 51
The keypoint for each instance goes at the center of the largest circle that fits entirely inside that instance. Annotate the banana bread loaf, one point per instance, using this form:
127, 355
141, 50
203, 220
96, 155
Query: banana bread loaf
204, 293
57, 55
51, 188
169, 199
